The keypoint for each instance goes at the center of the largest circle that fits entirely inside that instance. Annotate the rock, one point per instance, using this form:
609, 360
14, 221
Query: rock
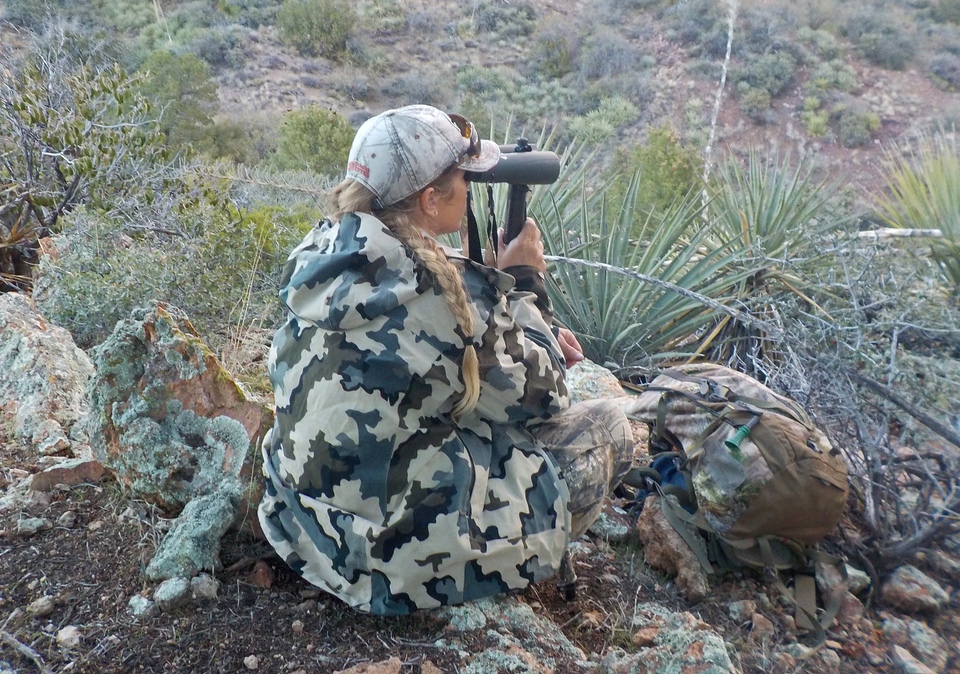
664, 549
204, 587
42, 607
761, 629
683, 644
251, 662
140, 607
166, 417
31, 526
910, 589
172, 594
919, 639
741, 610
261, 575
43, 379
612, 525
946, 564
67, 520
829, 577
391, 666
71, 472
908, 664
193, 544
69, 636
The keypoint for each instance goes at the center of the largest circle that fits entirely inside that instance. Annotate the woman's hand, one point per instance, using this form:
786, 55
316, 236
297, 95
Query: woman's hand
569, 347
525, 250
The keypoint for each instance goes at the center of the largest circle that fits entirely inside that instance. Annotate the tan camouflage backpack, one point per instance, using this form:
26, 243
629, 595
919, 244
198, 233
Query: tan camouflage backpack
756, 482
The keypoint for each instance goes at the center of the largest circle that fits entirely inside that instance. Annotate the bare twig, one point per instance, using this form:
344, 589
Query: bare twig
884, 392
25, 650
890, 233
708, 150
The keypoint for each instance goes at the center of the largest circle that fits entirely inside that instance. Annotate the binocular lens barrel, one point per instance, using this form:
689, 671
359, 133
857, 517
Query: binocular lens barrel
537, 167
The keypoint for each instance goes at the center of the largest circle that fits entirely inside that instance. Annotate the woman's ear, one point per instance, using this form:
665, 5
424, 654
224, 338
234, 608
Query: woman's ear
429, 200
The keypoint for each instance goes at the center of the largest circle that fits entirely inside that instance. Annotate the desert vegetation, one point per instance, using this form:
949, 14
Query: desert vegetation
118, 155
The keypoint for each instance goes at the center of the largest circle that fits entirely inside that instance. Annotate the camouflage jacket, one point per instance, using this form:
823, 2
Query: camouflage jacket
373, 491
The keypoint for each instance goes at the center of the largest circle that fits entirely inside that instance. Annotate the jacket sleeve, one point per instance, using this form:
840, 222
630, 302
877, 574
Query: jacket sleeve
521, 364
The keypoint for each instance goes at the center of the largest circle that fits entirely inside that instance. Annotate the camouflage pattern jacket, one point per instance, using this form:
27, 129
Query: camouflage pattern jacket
373, 492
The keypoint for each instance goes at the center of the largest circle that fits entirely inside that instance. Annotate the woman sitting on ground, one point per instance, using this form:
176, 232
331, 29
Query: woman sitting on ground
422, 455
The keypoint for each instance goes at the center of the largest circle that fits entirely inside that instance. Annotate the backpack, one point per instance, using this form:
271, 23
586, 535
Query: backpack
756, 482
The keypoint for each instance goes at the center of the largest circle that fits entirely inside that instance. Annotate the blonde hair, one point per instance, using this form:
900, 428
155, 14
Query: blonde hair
350, 196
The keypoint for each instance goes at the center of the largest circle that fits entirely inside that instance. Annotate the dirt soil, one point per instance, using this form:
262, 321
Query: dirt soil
93, 567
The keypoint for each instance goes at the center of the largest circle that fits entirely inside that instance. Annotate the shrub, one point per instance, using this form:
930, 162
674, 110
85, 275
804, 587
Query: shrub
554, 51
769, 72
607, 53
601, 124
824, 42
947, 10
755, 104
880, 39
833, 76
854, 127
817, 121
315, 139
422, 87
944, 70
507, 21
317, 27
181, 87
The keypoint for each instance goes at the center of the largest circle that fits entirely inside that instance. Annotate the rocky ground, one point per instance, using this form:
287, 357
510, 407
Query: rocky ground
74, 596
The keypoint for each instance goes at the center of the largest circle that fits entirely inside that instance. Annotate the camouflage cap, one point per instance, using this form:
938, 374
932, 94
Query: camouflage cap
401, 151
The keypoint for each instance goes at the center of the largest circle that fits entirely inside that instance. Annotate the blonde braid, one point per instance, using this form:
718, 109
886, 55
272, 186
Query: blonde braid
351, 196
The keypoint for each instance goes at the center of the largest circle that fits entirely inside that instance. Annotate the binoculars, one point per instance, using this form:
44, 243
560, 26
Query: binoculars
520, 166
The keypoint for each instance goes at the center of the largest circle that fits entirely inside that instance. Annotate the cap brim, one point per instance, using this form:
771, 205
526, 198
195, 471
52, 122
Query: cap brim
489, 157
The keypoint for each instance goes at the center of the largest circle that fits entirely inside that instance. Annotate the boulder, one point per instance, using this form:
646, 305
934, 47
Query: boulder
43, 380
166, 418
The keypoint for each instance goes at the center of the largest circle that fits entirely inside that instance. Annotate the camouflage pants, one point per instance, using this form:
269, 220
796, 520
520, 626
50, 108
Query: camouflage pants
593, 445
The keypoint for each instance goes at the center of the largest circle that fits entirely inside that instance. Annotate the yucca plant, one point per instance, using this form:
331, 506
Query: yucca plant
638, 288
777, 211
923, 192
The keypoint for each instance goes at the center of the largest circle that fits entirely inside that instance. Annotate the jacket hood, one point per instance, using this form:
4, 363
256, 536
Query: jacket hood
345, 274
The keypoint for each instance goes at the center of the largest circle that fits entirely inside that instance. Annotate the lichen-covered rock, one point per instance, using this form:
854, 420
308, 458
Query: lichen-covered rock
43, 379
679, 643
588, 381
166, 417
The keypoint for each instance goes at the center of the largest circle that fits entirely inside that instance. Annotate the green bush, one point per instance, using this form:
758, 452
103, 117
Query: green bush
944, 70
181, 87
668, 170
817, 121
601, 124
513, 20
755, 104
554, 51
317, 27
833, 76
854, 127
769, 72
607, 53
315, 139
947, 10
885, 40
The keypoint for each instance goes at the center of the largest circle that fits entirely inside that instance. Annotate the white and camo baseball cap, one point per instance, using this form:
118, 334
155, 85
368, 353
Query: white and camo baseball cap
401, 151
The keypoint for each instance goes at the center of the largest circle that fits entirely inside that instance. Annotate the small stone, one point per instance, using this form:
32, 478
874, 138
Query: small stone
96, 525
205, 587
42, 607
297, 627
261, 575
907, 663
762, 628
172, 594
69, 636
31, 526
141, 607
910, 589
251, 662
67, 520
740, 610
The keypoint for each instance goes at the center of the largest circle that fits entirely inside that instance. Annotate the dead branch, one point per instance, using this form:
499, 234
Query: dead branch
25, 650
884, 392
893, 232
